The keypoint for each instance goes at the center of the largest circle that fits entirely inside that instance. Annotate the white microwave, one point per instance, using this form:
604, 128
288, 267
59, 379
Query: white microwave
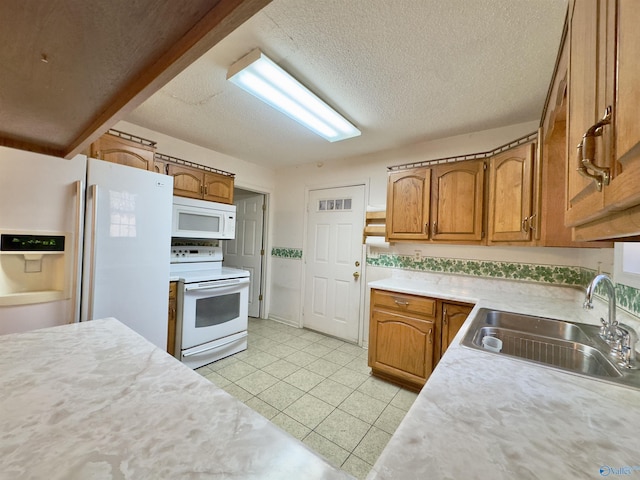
201, 219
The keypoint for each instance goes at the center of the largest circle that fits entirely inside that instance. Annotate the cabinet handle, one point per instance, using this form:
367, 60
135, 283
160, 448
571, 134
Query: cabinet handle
531, 223
430, 335
587, 152
525, 226
401, 303
434, 229
206, 189
201, 189
444, 316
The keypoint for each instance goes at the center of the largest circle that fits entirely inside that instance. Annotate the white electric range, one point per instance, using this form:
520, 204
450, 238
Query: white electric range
213, 303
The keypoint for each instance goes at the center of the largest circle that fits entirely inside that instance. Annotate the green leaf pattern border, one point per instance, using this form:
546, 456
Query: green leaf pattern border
627, 297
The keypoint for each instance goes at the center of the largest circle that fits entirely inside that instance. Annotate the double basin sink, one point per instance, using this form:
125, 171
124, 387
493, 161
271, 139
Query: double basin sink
569, 346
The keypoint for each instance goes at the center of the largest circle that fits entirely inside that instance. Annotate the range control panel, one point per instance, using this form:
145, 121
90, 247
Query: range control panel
188, 254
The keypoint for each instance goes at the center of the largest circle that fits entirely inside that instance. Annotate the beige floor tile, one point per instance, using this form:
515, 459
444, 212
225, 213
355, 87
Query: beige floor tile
260, 359
257, 382
313, 336
299, 343
238, 392
352, 349
293, 427
360, 365
281, 395
203, 370
376, 388
333, 393
323, 367
217, 379
281, 368
262, 407
236, 371
362, 406
371, 446
349, 378
304, 379
390, 418
300, 358
317, 349
343, 429
341, 358
404, 399
225, 362
330, 342
281, 350
309, 410
334, 454
356, 467
264, 344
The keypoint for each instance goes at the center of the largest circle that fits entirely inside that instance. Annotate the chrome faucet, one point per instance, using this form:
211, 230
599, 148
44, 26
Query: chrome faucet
609, 330
621, 338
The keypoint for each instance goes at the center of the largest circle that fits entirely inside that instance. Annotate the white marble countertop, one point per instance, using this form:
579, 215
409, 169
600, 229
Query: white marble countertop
97, 401
486, 416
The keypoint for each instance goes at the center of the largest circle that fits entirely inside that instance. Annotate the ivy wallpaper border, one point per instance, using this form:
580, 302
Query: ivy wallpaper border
290, 253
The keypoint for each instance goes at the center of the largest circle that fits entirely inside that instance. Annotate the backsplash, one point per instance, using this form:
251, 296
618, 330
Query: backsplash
627, 298
291, 253
558, 275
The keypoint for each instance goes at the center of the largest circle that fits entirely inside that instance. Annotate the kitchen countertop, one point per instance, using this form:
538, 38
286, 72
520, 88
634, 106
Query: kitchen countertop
95, 401
487, 416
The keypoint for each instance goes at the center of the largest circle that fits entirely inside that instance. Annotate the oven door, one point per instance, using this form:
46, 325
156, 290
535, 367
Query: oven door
213, 310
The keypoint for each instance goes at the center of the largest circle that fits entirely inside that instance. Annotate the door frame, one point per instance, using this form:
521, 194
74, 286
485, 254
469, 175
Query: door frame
325, 186
265, 286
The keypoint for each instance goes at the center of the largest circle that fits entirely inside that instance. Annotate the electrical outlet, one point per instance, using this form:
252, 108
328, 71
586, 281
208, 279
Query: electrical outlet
417, 255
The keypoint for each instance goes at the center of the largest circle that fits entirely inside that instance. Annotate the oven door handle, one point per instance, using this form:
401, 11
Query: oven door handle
214, 347
217, 284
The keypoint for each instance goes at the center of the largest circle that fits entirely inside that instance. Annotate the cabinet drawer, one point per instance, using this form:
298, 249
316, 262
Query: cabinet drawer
401, 302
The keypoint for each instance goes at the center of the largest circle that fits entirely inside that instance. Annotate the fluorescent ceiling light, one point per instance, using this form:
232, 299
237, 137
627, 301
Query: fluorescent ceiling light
260, 76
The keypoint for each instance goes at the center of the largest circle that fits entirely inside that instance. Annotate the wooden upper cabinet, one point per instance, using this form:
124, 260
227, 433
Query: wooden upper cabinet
115, 149
457, 201
408, 201
604, 74
511, 195
187, 181
195, 183
218, 188
160, 166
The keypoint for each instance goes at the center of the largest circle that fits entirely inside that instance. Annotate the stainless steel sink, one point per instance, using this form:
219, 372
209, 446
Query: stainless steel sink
569, 346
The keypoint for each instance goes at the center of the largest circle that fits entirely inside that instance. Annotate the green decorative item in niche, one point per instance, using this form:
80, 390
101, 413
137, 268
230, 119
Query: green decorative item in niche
291, 253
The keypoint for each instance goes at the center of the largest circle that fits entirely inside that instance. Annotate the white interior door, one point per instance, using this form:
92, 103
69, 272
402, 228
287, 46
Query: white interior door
333, 259
245, 251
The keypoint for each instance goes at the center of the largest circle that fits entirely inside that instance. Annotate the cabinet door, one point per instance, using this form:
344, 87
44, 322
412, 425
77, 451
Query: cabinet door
122, 151
187, 182
408, 197
453, 316
457, 201
591, 91
401, 347
510, 195
623, 191
160, 167
218, 188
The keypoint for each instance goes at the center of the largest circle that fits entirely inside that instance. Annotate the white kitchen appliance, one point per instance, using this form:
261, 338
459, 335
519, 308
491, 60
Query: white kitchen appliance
193, 218
213, 304
120, 268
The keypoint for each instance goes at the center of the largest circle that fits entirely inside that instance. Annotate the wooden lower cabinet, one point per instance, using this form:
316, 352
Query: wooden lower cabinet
171, 327
407, 338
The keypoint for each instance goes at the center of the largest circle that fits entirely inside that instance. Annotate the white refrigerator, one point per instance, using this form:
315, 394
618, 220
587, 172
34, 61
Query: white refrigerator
116, 226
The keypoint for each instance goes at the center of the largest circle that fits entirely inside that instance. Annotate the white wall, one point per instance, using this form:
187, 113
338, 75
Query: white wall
286, 189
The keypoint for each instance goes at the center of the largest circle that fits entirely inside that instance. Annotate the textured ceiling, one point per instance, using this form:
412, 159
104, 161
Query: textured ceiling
401, 71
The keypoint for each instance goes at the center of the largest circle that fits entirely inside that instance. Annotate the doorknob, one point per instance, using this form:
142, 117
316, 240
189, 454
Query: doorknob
356, 275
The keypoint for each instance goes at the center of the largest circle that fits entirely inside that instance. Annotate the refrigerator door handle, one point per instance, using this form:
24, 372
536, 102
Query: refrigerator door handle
76, 253
93, 253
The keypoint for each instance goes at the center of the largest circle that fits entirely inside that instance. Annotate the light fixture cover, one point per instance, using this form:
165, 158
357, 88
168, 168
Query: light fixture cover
260, 76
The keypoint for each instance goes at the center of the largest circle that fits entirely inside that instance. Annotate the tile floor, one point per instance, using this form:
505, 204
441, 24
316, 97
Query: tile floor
317, 388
